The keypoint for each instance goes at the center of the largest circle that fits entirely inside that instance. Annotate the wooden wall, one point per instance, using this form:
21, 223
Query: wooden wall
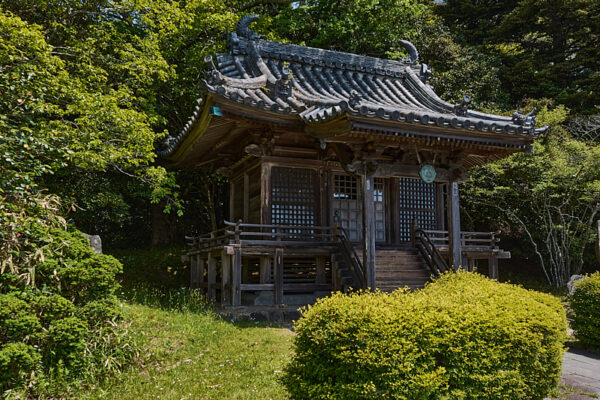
252, 195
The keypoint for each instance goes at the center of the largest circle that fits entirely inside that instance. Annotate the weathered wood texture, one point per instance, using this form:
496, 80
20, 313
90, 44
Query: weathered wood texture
225, 278
236, 277
278, 263
368, 184
453, 209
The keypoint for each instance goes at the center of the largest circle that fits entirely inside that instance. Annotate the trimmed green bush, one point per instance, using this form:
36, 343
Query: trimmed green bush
57, 317
585, 306
462, 337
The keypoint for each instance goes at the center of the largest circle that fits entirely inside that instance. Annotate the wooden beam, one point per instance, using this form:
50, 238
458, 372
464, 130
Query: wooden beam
368, 183
236, 277
265, 269
257, 286
454, 242
211, 277
225, 278
278, 264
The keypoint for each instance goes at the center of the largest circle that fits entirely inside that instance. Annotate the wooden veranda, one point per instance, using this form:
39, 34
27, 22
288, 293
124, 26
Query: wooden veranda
217, 266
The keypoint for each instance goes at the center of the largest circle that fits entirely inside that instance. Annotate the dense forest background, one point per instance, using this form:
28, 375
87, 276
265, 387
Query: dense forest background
89, 90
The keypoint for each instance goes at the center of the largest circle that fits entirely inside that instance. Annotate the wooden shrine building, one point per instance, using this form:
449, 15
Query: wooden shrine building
344, 171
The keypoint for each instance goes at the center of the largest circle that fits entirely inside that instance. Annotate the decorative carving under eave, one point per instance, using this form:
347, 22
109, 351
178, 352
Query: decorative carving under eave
256, 150
463, 108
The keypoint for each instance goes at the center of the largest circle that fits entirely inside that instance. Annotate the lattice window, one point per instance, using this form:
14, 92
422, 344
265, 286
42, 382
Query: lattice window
293, 196
345, 187
416, 199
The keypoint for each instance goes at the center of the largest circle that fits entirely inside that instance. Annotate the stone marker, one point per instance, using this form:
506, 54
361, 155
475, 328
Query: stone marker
95, 242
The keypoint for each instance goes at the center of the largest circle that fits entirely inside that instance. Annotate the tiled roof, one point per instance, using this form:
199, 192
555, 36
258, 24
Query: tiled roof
318, 85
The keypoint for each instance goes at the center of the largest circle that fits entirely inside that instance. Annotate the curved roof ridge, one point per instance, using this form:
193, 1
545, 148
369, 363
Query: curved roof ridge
316, 85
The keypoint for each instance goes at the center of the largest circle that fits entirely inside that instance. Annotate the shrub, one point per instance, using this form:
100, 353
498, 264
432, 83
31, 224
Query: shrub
462, 337
57, 311
585, 306
17, 362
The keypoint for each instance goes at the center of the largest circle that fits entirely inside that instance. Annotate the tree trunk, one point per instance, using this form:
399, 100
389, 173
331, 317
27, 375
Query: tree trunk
164, 226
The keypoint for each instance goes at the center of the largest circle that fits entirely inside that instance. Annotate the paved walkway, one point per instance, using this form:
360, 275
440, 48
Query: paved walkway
581, 372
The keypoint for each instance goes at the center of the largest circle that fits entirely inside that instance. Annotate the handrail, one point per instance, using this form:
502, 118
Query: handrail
261, 234
468, 240
430, 253
349, 254
247, 225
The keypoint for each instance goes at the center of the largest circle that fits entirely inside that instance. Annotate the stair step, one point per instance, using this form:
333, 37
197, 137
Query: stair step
402, 280
416, 263
415, 273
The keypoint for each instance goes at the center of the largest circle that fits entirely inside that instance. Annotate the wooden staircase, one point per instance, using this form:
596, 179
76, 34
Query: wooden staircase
399, 268
396, 268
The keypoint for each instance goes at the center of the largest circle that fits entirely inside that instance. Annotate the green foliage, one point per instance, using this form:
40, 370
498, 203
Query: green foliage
585, 308
547, 49
58, 309
462, 337
548, 197
18, 362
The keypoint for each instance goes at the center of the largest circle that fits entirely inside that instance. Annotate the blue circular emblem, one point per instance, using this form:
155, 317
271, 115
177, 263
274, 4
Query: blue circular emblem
427, 173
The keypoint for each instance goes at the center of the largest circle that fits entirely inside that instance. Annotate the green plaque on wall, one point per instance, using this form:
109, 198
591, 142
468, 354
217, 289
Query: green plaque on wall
427, 173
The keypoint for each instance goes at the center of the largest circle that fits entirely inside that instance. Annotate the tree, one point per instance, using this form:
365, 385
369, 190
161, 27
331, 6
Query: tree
548, 197
547, 48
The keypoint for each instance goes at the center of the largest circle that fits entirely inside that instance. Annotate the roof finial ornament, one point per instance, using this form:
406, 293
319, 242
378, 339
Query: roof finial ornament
213, 76
462, 108
413, 54
525, 120
243, 29
354, 99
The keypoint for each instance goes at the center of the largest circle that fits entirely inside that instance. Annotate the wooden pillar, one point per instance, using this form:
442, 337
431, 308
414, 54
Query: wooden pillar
265, 194
246, 197
201, 268
368, 183
321, 277
278, 264
454, 240
225, 278
236, 277
471, 263
265, 269
394, 211
211, 277
231, 201
493, 267
194, 271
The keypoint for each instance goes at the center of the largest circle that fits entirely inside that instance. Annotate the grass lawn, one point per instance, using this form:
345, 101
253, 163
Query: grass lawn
195, 355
